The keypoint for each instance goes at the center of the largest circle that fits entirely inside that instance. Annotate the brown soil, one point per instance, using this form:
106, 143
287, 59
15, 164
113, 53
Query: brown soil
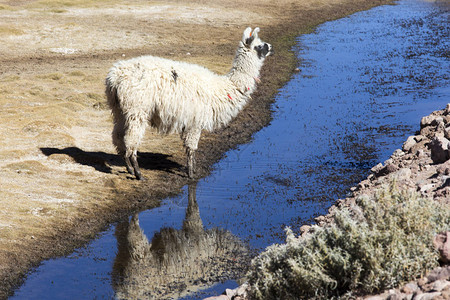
60, 179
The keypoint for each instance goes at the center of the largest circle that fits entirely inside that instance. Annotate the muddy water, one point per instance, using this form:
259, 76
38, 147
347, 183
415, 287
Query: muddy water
364, 83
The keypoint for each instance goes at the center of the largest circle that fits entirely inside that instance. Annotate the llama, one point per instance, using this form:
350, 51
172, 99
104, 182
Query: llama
178, 97
176, 262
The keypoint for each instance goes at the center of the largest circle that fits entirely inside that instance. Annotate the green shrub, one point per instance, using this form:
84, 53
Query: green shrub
375, 245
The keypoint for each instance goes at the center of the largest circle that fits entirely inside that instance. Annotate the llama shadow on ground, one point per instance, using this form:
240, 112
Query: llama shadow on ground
103, 161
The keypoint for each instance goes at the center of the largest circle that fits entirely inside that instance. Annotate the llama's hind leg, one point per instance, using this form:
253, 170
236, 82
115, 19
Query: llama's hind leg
134, 132
191, 138
118, 136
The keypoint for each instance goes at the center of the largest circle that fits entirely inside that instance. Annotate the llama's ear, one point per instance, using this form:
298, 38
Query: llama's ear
255, 33
247, 38
247, 34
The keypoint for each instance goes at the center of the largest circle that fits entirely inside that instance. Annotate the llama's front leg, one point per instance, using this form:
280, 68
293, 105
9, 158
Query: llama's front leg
128, 164
190, 162
137, 170
191, 138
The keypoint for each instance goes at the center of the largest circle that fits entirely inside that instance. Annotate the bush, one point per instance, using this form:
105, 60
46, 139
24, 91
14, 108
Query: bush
374, 245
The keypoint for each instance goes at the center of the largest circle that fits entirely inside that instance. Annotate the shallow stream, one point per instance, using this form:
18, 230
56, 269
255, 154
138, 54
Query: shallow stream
364, 83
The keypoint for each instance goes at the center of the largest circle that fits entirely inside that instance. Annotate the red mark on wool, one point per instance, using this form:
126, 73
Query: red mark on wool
230, 97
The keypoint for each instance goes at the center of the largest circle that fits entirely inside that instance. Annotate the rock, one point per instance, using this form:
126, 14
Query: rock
398, 153
220, 297
320, 219
446, 294
439, 285
447, 132
427, 187
411, 141
439, 147
422, 281
442, 243
419, 146
395, 296
427, 296
447, 109
230, 293
410, 288
439, 274
304, 229
387, 169
444, 169
403, 174
377, 168
430, 120
427, 131
377, 297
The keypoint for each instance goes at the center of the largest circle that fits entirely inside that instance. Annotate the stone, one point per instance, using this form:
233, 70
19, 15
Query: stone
305, 229
430, 120
447, 132
419, 146
410, 288
220, 297
439, 285
447, 109
446, 294
403, 174
427, 296
377, 297
230, 293
444, 169
377, 168
422, 281
427, 187
394, 296
410, 142
439, 274
398, 153
441, 243
419, 138
439, 147
387, 169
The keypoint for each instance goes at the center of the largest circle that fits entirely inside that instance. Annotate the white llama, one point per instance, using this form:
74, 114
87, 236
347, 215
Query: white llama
177, 97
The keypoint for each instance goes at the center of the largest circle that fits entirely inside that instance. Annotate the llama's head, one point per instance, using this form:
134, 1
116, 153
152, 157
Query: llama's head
253, 44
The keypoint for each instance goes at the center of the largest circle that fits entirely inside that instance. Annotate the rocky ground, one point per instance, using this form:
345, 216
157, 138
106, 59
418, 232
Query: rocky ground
60, 180
422, 165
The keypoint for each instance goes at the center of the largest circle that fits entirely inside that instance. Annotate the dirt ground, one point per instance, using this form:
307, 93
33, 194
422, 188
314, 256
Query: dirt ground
60, 179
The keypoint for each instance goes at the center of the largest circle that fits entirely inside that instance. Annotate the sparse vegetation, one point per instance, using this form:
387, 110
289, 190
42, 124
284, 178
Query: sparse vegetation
7, 30
70, 3
375, 245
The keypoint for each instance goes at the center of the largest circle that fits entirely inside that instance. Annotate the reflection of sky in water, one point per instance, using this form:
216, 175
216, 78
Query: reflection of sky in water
364, 84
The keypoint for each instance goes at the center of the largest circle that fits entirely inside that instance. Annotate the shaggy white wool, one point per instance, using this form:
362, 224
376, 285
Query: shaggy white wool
178, 97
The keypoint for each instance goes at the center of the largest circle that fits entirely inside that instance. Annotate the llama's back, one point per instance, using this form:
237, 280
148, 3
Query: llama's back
171, 95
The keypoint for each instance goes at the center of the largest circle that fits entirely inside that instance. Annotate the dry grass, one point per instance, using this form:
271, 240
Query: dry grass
7, 30
60, 4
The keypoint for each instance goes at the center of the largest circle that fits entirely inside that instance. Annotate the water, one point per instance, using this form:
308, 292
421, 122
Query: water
365, 82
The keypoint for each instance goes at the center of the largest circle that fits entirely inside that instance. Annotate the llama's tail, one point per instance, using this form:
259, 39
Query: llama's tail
111, 94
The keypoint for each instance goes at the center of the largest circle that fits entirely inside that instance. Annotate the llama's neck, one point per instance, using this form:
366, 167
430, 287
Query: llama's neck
245, 71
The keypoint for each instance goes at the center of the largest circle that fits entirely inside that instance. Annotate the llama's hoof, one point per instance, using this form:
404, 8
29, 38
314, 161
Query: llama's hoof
139, 176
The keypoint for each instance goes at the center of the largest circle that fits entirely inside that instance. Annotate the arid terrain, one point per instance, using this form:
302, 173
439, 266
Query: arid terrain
61, 181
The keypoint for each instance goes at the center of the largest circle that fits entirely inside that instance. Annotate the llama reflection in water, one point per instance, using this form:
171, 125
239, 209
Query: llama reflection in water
176, 262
